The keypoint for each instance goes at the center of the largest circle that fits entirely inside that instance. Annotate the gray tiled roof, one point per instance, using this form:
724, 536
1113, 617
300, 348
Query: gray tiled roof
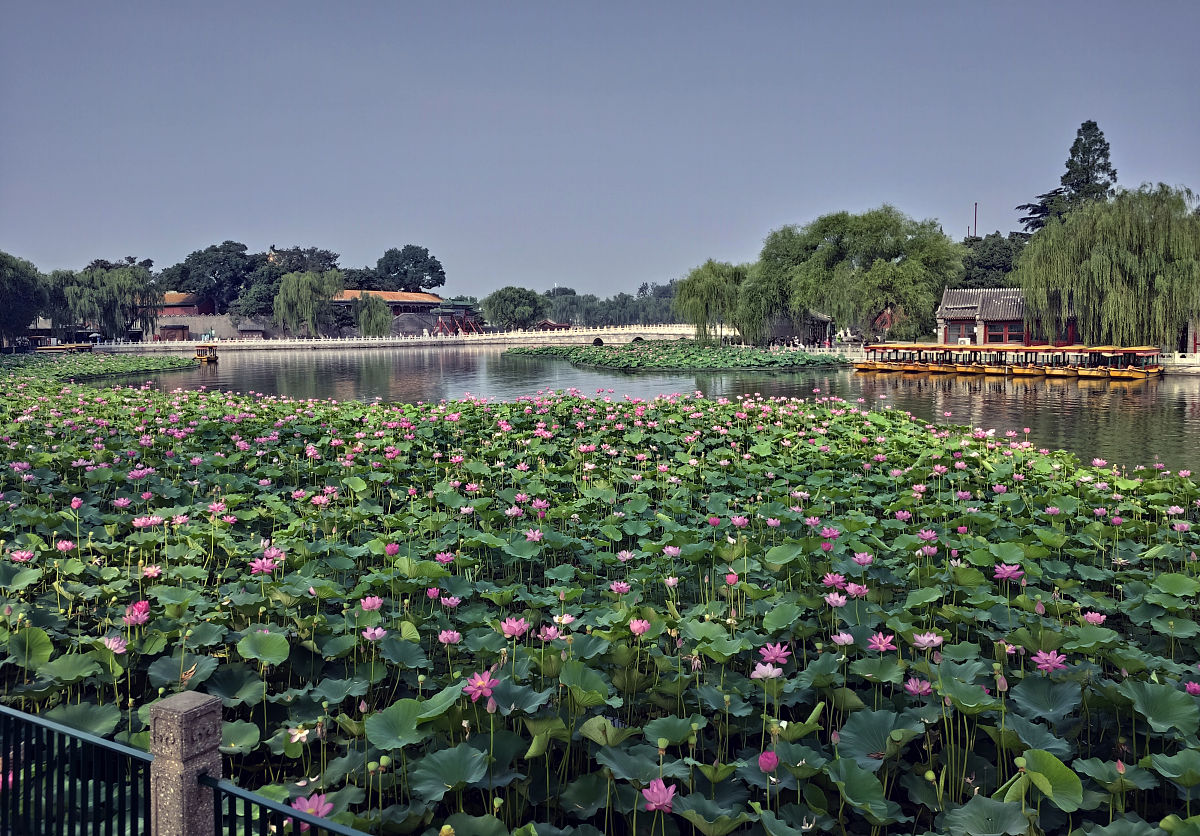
993, 303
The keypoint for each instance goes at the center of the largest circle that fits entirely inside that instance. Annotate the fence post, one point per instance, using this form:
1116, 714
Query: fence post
185, 731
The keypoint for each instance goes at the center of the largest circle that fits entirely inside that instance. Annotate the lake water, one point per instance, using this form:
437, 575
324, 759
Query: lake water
1131, 422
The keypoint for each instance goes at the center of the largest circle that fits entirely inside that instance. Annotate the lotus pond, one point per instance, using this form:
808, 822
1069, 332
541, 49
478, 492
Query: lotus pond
571, 614
682, 355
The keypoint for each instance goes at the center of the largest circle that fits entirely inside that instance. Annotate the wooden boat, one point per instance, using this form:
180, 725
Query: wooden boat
866, 366
1128, 373
206, 353
1062, 371
1092, 372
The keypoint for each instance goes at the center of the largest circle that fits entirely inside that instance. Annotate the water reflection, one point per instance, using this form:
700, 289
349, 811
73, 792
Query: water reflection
1134, 422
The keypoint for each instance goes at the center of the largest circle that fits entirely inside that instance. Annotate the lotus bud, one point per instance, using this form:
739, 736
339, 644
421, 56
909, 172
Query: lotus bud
1120, 767
497, 803
930, 776
1019, 763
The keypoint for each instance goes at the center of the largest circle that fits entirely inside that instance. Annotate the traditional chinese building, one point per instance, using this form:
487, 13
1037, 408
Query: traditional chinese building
989, 316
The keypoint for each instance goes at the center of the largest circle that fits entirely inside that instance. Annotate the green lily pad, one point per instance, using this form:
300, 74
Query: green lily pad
30, 647
100, 720
239, 737
397, 726
983, 816
447, 770
268, 648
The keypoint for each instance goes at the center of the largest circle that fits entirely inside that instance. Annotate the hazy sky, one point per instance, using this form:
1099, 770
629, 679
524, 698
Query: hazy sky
596, 145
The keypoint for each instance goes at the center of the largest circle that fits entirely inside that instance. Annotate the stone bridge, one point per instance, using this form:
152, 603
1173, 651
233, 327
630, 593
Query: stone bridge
615, 335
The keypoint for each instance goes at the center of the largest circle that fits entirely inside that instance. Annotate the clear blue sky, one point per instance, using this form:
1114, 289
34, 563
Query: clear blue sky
595, 145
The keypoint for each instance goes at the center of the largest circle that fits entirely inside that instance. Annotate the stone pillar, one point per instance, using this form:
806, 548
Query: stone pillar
185, 731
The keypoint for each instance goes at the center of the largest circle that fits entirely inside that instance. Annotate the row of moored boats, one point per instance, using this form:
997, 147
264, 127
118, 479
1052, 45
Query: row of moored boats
1106, 361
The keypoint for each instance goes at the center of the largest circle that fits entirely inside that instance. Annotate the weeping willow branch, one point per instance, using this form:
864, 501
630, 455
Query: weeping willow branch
1127, 269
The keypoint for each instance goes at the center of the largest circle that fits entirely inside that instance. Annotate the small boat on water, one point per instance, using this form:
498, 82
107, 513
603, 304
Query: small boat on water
206, 353
1071, 361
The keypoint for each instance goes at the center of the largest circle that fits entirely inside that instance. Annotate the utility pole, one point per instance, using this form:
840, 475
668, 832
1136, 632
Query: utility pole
977, 219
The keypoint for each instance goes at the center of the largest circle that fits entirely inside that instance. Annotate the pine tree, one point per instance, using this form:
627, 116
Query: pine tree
1089, 176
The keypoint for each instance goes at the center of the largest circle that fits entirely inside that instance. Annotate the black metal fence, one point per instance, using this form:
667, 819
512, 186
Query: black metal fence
59, 781
240, 813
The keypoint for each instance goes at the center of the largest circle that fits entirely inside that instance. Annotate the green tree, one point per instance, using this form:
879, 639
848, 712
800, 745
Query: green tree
1089, 177
24, 295
410, 269
879, 272
990, 260
218, 272
112, 297
372, 315
257, 299
304, 300
514, 307
707, 297
1127, 269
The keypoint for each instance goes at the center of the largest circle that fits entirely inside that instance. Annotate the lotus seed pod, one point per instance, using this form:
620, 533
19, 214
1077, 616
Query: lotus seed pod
929, 776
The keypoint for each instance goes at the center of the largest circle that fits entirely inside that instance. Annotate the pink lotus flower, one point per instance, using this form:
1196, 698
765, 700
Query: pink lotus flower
262, 566
136, 613
21, 556
639, 626
835, 599
834, 580
533, 535
1048, 661
863, 558
449, 637
371, 603
374, 634
918, 687
151, 571
1193, 688
1096, 618
765, 670
774, 653
514, 628
619, 587
549, 633
671, 551
739, 522
315, 805
842, 639
65, 546
731, 579
881, 642
927, 641
1007, 572
391, 549
768, 762
658, 796
856, 590
480, 685
116, 644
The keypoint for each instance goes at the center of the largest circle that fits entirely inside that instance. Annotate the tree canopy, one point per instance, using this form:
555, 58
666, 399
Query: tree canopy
1128, 269
372, 315
1089, 177
23, 293
218, 272
880, 272
410, 269
707, 297
990, 260
303, 300
514, 307
112, 299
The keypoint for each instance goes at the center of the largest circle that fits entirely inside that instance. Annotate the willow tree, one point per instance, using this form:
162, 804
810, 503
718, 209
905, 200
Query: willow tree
303, 300
707, 298
1127, 269
372, 315
112, 299
880, 272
